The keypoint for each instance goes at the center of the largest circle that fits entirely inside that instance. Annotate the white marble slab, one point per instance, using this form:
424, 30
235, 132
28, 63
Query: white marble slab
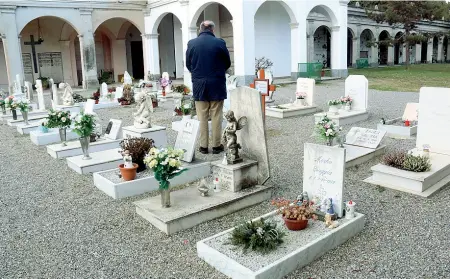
39, 138
307, 85
364, 137
357, 87
31, 119
285, 264
419, 183
147, 183
157, 133
19, 115
397, 131
178, 125
356, 155
73, 148
75, 109
289, 110
26, 129
189, 209
411, 112
187, 138
344, 117
100, 161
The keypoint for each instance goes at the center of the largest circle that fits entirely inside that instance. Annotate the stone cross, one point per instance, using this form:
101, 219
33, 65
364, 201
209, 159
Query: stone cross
33, 43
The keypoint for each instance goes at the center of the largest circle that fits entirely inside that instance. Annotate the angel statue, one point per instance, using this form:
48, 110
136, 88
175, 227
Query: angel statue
229, 137
67, 96
142, 115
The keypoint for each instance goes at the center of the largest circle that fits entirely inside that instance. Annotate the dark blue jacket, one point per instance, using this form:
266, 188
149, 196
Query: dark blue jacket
207, 58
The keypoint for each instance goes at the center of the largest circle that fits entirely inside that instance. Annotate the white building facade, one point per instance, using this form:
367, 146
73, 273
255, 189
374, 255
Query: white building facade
80, 41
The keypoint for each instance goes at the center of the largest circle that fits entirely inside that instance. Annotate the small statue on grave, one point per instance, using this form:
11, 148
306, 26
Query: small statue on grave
142, 115
229, 137
68, 94
303, 199
330, 209
323, 206
329, 223
128, 160
203, 188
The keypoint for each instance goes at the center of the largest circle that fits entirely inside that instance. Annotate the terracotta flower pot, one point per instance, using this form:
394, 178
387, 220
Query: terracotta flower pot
96, 102
295, 225
128, 173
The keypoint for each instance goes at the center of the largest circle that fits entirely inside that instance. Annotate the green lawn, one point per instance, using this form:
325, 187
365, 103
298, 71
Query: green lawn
399, 79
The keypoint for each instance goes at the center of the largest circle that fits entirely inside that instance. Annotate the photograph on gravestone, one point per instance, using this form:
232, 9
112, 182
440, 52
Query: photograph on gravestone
323, 174
262, 85
108, 128
187, 139
357, 87
113, 129
364, 137
246, 101
434, 117
411, 112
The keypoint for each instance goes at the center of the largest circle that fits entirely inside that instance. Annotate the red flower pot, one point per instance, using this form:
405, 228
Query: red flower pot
295, 225
128, 173
96, 102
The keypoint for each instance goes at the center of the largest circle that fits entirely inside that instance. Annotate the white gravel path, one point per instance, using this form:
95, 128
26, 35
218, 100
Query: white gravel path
55, 224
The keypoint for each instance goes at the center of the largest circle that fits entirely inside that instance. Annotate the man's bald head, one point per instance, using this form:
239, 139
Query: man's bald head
207, 25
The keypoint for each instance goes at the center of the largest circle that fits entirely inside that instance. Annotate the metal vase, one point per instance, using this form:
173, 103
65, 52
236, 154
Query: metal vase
330, 141
14, 114
165, 197
84, 141
63, 136
3, 110
25, 117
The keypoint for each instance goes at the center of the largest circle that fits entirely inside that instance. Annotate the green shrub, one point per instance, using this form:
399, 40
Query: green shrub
416, 163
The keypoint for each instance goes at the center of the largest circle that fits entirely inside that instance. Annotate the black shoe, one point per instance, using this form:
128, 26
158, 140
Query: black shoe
203, 150
219, 149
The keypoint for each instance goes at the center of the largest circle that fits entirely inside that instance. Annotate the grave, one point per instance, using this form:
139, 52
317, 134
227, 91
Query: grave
396, 128
362, 145
52, 136
189, 208
35, 119
357, 87
26, 129
434, 106
75, 109
177, 125
157, 133
304, 106
7, 117
100, 161
323, 177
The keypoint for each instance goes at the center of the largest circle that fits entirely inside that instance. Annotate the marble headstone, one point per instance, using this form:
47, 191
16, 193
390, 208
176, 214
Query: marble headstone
89, 106
357, 87
246, 101
127, 78
307, 85
40, 94
187, 138
104, 89
119, 93
411, 112
29, 88
323, 174
55, 95
434, 118
113, 129
165, 75
364, 137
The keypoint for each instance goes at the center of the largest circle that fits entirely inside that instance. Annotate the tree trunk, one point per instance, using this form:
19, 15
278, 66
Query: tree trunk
407, 49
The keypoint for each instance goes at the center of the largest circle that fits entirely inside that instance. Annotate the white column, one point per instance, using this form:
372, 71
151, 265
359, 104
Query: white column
430, 51
87, 50
356, 51
178, 44
119, 60
189, 33
418, 53
11, 44
440, 53
310, 41
403, 57
66, 62
144, 51
295, 49
390, 58
339, 51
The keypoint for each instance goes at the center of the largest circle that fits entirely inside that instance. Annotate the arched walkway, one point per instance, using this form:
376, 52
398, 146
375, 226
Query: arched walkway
49, 50
273, 36
322, 46
434, 58
445, 49
366, 39
4, 77
383, 48
119, 48
399, 56
350, 36
424, 52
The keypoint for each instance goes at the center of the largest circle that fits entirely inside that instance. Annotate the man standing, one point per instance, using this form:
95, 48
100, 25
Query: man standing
207, 58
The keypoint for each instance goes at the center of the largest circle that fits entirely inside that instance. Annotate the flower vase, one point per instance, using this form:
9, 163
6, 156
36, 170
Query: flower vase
303, 102
164, 91
84, 141
348, 107
25, 117
63, 136
334, 109
165, 196
3, 110
14, 114
330, 141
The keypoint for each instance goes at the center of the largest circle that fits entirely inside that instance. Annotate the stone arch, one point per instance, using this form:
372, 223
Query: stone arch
124, 29
325, 10
365, 50
434, 56
399, 56
283, 3
322, 46
160, 18
383, 48
198, 7
23, 20
114, 16
350, 37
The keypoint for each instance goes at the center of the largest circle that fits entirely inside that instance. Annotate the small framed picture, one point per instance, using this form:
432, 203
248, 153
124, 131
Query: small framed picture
262, 85
113, 129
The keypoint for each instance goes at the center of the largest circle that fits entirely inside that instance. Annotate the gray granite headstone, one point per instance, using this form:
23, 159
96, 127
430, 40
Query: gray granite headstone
245, 101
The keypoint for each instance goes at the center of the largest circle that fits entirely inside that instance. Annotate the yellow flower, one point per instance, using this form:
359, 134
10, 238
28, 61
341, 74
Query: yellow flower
153, 163
172, 162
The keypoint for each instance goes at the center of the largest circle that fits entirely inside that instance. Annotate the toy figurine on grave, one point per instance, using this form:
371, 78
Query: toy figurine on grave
323, 206
329, 223
203, 188
128, 160
142, 115
229, 137
303, 199
67, 96
330, 209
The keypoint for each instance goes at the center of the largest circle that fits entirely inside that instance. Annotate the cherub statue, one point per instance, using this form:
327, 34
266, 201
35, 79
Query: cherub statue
67, 96
142, 115
229, 137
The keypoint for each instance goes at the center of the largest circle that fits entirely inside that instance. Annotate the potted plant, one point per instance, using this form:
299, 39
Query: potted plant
347, 102
11, 103
61, 120
301, 97
166, 164
138, 148
295, 215
77, 98
183, 89
262, 64
184, 110
164, 83
334, 105
24, 106
3, 105
327, 130
84, 126
96, 96
128, 169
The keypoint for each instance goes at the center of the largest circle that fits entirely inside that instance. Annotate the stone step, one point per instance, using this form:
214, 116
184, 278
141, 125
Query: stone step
52, 136
157, 133
355, 155
26, 129
31, 120
9, 116
73, 148
100, 161
289, 110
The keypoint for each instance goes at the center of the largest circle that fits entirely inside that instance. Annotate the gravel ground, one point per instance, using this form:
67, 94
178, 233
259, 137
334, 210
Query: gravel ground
56, 224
